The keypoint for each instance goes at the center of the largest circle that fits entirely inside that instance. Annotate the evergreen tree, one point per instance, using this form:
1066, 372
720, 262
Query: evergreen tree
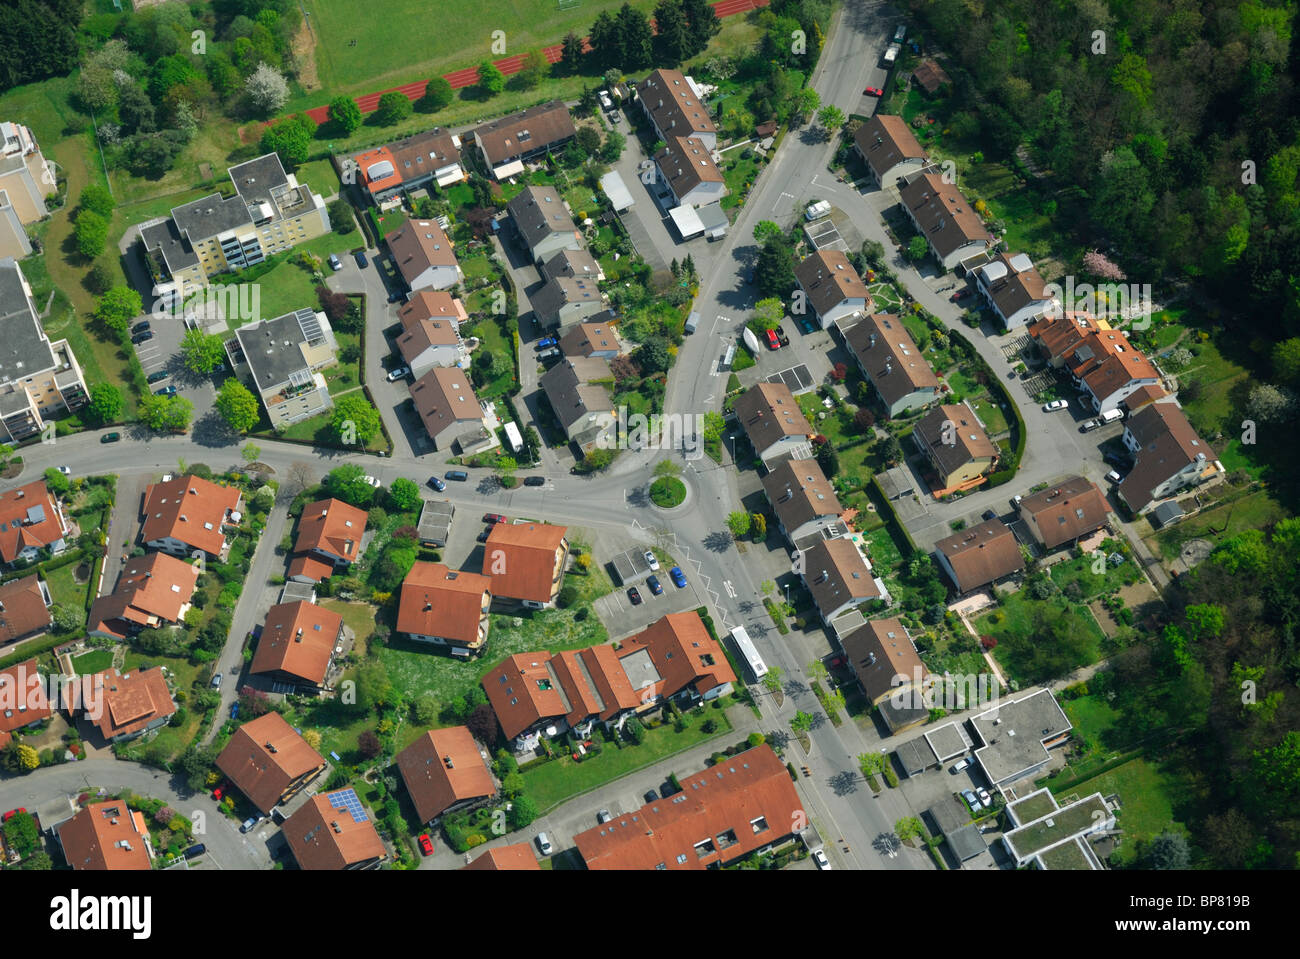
704, 23
635, 39
673, 37
571, 53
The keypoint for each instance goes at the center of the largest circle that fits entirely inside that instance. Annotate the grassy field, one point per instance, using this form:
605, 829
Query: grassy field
1252, 511
1090, 583
66, 591
494, 341
1145, 793
289, 286
552, 783
1011, 624
737, 171
95, 661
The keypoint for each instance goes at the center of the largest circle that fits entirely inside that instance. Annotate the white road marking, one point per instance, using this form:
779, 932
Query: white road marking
731, 590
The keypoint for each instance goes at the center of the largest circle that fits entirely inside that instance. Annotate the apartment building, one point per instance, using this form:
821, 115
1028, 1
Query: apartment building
285, 356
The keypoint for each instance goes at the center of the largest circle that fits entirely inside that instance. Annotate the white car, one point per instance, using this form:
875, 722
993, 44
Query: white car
985, 799
960, 764
652, 561
971, 800
65, 470
371, 481
1055, 405
819, 857
544, 844
398, 374
1113, 477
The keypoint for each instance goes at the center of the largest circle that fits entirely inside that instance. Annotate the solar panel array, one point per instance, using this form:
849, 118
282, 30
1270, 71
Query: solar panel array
346, 799
311, 330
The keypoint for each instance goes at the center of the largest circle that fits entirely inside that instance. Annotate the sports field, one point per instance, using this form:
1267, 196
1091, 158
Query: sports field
401, 40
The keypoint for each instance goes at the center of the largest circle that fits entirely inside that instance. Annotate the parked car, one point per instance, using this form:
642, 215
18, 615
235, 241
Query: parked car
250, 823
360, 257
195, 851
483, 535
14, 812
1114, 459
1015, 501
544, 844
458, 475
141, 327
678, 577
216, 793
780, 335
141, 338
157, 376
437, 484
1114, 477
1055, 405
985, 799
971, 800
1089, 425
603, 816
773, 341
960, 764
165, 391
819, 857
493, 518
546, 342
234, 710
110, 437
650, 796
400, 373
371, 481
396, 297
988, 514
634, 595
550, 354
807, 325
335, 263
1011, 375
534, 480
216, 681
655, 587
651, 560
426, 845
874, 92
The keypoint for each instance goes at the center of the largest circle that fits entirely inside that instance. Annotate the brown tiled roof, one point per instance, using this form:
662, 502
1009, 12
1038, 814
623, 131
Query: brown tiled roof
518, 856
1066, 510
443, 398
28, 517
439, 601
1021, 286
1143, 395
1106, 362
431, 305
878, 651
677, 111
836, 573
418, 245
420, 155
22, 697
828, 279
298, 638
799, 491
106, 835
126, 702
970, 442
683, 654
930, 76
685, 163
266, 756
886, 141
22, 608
426, 334
443, 767
520, 558
574, 388
947, 221
1060, 333
742, 804
768, 413
1167, 444
538, 212
311, 566
573, 263
561, 292
332, 526
522, 691
890, 356
982, 554
545, 124
325, 836
189, 509
587, 338
152, 588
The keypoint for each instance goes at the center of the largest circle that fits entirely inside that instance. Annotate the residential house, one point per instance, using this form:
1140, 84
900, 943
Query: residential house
121, 705
544, 223
673, 104
1064, 512
152, 591
39, 379
676, 658
445, 607
30, 521
285, 357
564, 302
26, 179
1143, 396
269, 761
891, 363
574, 264
1015, 736
730, 811
773, 422
832, 287
1109, 369
445, 771
930, 77
686, 167
953, 441
802, 499
510, 141
889, 149
329, 538
1170, 456
526, 562
447, 405
1014, 290
593, 340
426, 344
188, 514
24, 608
334, 831
838, 577
424, 256
885, 662
14, 241
953, 230
979, 556
578, 390
298, 643
410, 164
269, 213
1057, 333
518, 856
106, 835
23, 698
431, 305
1050, 836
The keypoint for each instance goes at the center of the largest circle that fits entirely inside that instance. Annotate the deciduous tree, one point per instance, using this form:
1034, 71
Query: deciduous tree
237, 405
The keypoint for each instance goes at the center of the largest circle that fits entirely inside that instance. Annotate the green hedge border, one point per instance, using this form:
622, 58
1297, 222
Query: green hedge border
893, 524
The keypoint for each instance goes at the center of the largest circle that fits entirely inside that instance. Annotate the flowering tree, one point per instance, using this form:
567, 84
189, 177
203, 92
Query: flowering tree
1100, 266
267, 89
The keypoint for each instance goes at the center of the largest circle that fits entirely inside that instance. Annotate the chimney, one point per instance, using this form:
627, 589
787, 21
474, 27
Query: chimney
823, 577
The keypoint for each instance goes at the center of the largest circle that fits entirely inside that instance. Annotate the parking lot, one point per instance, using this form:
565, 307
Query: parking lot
621, 617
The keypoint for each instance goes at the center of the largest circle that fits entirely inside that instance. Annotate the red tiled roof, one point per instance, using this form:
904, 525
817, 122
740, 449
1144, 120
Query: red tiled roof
521, 558
298, 638
122, 703
331, 526
439, 601
323, 836
683, 654
1065, 511
265, 757
28, 517
431, 305
523, 691
22, 697
385, 177
22, 608
312, 567
518, 856
152, 589
443, 767
189, 509
106, 835
879, 651
885, 141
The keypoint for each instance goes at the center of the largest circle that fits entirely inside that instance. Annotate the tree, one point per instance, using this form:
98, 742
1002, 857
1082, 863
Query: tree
917, 248
603, 38
202, 352
871, 763
504, 468
105, 404
909, 827
765, 229
28, 758
368, 744
613, 147
704, 24
404, 495
345, 112
635, 39
1286, 361
768, 314
437, 94
758, 527
1166, 851
166, 412
588, 140
774, 271
312, 738
512, 785
802, 722
668, 467
92, 234
522, 812
827, 458
290, 138
237, 405
482, 724
803, 104
673, 41
267, 89
1271, 404
355, 421
393, 108
571, 53
374, 688
634, 731
653, 355
21, 833
490, 80
533, 70
831, 118
348, 483
864, 420
96, 198
738, 523
56, 482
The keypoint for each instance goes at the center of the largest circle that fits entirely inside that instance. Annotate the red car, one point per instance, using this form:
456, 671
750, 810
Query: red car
493, 518
959, 295
773, 342
14, 812
426, 845
874, 92
216, 794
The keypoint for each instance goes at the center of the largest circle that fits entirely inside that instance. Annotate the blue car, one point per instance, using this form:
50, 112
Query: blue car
655, 587
360, 257
679, 578
165, 391
546, 343
234, 710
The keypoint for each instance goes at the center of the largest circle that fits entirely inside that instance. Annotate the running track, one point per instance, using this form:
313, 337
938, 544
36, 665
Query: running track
369, 102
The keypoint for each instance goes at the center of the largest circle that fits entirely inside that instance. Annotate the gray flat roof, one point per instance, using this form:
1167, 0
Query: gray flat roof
966, 842
435, 522
948, 814
1013, 734
896, 716
630, 565
272, 347
712, 216
163, 236
947, 741
294, 591
210, 215
797, 379
257, 178
640, 669
25, 349
915, 755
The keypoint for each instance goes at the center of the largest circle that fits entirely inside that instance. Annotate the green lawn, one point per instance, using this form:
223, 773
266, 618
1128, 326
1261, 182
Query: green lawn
320, 176
289, 286
1022, 653
991, 415
1092, 719
1092, 584
316, 429
494, 341
737, 173
1145, 794
885, 297
1255, 510
65, 590
551, 783
95, 661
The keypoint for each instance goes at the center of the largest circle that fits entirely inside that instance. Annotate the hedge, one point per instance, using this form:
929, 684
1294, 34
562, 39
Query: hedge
892, 523
92, 592
66, 558
999, 388
44, 646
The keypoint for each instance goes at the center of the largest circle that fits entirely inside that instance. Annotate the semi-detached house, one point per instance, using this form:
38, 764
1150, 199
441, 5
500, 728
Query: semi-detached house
889, 149
424, 256
773, 423
445, 771
686, 167
832, 287
30, 520
891, 363
269, 761
298, 644
1169, 456
189, 514
951, 227
544, 223
526, 562
980, 555
803, 500
153, 590
506, 144
1014, 290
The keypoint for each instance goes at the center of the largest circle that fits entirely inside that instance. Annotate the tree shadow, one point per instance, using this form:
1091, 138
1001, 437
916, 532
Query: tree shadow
639, 496
844, 782
717, 542
794, 688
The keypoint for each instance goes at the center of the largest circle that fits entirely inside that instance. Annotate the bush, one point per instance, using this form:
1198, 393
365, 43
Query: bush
568, 596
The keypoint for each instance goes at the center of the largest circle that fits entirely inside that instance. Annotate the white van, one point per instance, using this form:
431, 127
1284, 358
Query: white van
692, 321
1110, 416
892, 54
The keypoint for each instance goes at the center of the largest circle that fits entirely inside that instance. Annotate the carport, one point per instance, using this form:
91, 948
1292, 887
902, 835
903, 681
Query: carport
797, 379
630, 567
688, 222
823, 235
620, 197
